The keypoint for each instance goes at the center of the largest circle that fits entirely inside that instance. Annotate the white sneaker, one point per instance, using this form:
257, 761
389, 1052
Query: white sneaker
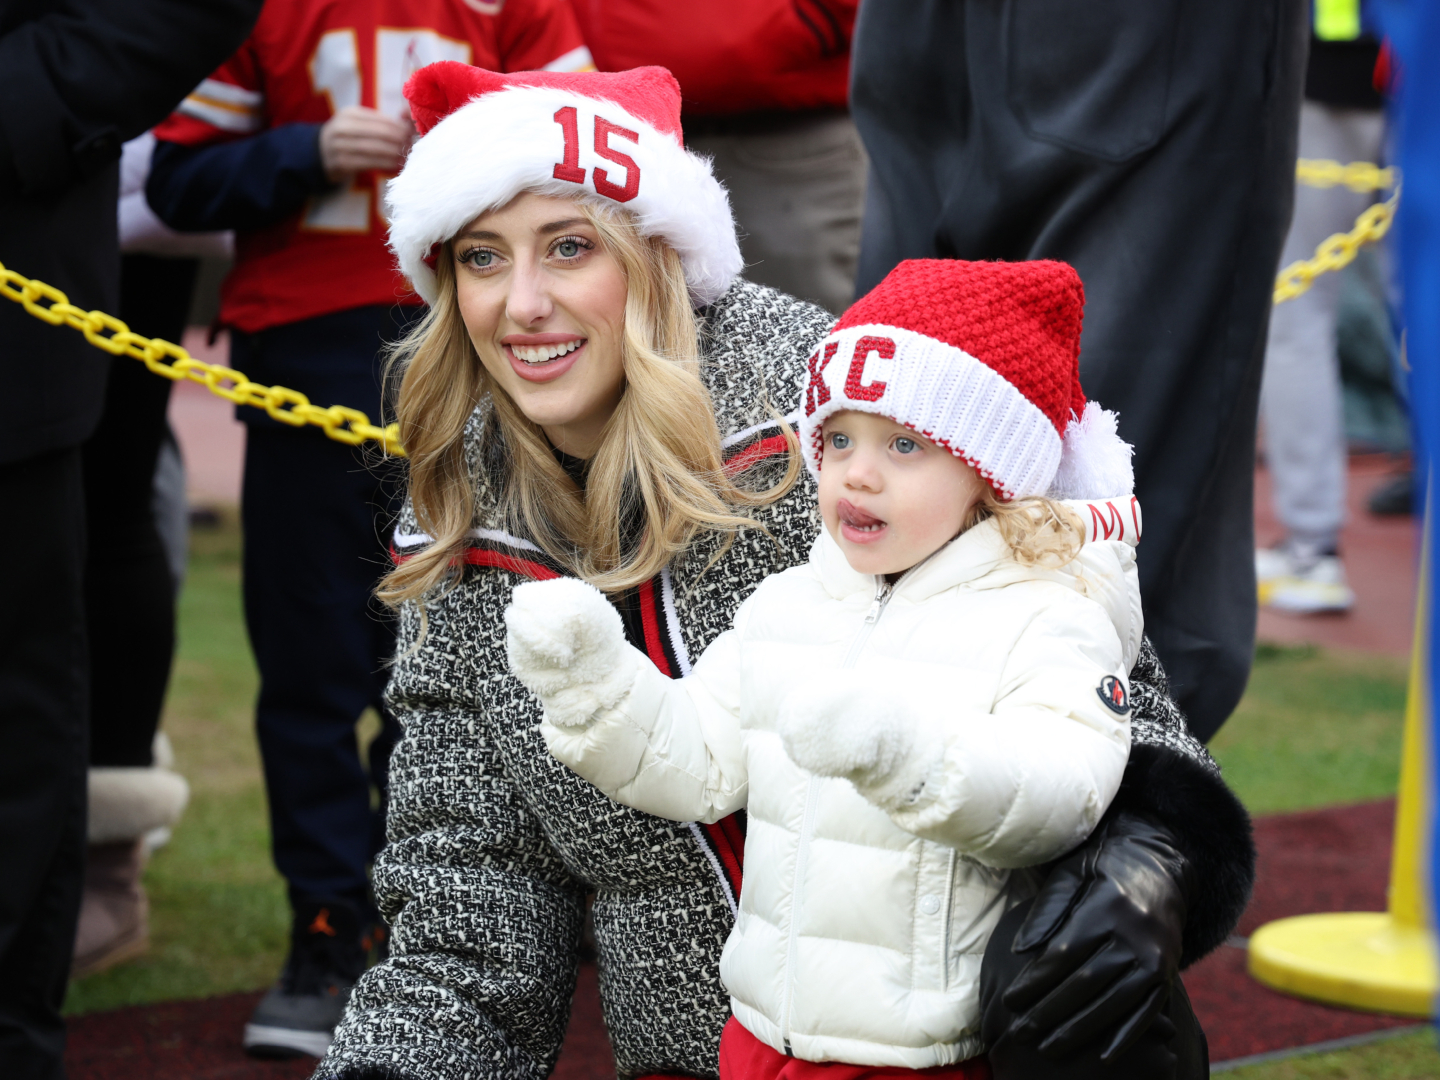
1271, 563
1310, 587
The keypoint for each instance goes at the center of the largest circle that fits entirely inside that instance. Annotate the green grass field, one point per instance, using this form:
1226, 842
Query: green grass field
1315, 729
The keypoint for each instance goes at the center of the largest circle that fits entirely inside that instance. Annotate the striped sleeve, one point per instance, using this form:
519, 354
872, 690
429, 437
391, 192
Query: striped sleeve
577, 59
227, 105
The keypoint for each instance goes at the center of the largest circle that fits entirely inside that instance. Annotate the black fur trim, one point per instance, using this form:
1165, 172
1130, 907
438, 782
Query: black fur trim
1210, 828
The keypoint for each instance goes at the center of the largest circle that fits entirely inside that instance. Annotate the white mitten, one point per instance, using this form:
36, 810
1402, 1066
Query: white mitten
567, 645
842, 725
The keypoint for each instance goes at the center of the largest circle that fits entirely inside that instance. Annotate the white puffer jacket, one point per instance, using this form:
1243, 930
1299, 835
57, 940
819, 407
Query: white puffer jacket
977, 712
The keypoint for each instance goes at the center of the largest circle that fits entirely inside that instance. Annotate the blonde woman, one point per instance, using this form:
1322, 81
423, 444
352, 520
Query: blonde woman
594, 394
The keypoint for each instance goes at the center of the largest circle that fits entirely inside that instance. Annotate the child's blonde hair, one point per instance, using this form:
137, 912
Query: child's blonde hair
1039, 531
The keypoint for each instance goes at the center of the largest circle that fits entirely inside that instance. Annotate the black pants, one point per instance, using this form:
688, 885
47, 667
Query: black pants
43, 685
317, 517
1151, 144
129, 590
1173, 1048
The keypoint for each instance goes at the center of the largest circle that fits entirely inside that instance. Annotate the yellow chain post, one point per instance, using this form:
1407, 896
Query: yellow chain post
174, 362
1383, 961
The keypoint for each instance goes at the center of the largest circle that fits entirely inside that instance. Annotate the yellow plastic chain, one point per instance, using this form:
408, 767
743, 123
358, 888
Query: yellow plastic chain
1358, 176
1338, 251
353, 427
350, 426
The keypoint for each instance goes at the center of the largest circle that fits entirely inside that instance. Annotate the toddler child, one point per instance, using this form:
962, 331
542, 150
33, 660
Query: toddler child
936, 700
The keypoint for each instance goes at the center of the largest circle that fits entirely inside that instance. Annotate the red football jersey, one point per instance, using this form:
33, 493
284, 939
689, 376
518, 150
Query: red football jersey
730, 56
305, 60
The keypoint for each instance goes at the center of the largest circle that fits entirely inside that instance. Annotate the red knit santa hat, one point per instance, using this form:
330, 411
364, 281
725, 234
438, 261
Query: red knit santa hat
982, 358
604, 137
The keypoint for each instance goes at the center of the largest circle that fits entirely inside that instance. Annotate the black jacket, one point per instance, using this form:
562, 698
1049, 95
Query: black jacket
78, 78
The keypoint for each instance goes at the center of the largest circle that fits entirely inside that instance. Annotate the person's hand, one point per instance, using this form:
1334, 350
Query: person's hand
356, 139
566, 643
1108, 922
836, 724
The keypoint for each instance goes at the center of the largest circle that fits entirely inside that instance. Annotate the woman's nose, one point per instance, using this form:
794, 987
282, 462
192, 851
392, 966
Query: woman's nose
528, 302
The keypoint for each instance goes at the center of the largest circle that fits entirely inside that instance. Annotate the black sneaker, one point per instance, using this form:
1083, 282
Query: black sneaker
299, 1013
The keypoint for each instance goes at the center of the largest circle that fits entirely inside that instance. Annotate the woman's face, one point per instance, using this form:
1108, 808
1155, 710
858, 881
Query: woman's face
544, 304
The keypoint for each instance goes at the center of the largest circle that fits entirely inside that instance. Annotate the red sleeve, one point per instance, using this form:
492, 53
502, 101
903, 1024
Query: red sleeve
228, 105
536, 34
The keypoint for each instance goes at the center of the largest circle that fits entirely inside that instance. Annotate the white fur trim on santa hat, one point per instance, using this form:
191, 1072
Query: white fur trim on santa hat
938, 390
488, 151
1095, 462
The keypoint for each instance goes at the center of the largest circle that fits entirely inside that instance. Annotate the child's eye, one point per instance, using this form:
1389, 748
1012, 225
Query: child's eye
840, 441
905, 446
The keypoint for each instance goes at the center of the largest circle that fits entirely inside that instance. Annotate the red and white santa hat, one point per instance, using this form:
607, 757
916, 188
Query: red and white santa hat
982, 358
605, 137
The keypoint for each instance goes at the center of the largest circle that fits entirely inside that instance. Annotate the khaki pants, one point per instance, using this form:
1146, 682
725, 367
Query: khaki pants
797, 185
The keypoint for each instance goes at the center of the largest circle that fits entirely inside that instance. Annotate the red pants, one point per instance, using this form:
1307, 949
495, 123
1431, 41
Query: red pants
744, 1057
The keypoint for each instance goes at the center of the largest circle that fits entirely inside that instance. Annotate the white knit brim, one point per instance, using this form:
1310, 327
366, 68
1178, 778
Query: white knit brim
957, 402
490, 150
940, 391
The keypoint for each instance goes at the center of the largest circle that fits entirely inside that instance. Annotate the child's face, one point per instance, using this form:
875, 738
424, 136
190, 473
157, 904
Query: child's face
890, 497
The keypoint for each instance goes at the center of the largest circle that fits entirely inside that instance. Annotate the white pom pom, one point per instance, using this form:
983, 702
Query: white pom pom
1094, 460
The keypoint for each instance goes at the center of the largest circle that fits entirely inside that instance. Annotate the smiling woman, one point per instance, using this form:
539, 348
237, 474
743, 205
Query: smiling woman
588, 350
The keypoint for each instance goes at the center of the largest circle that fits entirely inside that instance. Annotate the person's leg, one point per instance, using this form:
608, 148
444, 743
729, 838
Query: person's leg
797, 187
1172, 1048
43, 685
312, 558
129, 588
1300, 399
1051, 135
130, 618
317, 516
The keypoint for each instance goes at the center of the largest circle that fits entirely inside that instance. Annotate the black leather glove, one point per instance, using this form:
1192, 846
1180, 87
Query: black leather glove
1108, 922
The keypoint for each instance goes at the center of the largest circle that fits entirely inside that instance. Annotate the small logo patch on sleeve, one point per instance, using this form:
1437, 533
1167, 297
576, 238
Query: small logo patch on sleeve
1112, 693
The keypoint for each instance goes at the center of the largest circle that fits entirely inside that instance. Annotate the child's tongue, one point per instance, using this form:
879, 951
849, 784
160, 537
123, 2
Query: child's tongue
850, 514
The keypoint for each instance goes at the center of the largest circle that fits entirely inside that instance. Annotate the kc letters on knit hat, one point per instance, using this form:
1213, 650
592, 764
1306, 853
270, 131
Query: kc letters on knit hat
982, 358
604, 137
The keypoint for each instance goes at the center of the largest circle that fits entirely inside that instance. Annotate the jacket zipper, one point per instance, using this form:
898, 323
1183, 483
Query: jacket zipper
883, 591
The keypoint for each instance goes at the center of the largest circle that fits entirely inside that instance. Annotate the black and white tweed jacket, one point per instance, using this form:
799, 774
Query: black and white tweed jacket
493, 845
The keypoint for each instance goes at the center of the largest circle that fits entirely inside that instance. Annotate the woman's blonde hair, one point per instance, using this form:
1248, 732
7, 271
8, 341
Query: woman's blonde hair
657, 480
1039, 531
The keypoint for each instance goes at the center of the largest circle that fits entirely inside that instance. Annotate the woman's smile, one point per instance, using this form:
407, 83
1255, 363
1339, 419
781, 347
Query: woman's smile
542, 357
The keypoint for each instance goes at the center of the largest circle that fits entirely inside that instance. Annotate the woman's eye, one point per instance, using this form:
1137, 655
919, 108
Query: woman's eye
905, 446
479, 258
840, 441
570, 247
